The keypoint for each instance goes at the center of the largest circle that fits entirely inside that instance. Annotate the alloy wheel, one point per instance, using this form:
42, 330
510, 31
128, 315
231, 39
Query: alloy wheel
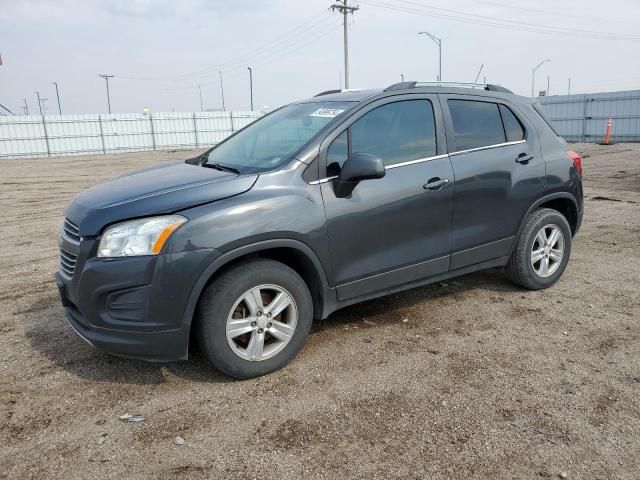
261, 322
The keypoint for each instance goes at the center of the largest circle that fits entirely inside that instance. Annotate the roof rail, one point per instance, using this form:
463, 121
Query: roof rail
410, 85
344, 90
327, 92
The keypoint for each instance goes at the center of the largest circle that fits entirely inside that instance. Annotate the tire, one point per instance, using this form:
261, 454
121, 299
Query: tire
521, 270
232, 298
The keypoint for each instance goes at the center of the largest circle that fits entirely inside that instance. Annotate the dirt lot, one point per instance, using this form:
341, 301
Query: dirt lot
471, 378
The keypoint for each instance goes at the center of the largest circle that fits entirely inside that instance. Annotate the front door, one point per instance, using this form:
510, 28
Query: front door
498, 170
395, 230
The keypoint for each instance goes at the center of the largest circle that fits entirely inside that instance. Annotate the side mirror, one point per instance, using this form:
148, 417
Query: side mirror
358, 167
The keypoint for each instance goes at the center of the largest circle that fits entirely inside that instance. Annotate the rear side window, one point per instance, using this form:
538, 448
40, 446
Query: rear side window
475, 124
512, 126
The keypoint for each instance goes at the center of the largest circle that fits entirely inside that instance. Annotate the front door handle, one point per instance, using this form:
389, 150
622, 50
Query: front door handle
435, 183
523, 158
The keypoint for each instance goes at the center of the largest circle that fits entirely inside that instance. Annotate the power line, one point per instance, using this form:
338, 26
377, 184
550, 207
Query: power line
497, 22
554, 13
301, 30
270, 58
515, 22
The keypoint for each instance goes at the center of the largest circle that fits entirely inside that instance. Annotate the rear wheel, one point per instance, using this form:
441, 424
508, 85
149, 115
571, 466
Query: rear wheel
542, 250
254, 318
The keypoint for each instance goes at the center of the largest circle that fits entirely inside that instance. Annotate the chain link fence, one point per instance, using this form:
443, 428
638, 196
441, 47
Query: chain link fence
52, 135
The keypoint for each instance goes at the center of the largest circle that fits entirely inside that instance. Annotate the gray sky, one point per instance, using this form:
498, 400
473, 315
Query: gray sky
295, 48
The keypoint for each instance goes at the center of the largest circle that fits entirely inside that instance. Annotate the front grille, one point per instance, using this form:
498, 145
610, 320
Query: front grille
67, 262
71, 230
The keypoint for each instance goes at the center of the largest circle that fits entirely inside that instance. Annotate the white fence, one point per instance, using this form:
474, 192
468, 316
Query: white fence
49, 135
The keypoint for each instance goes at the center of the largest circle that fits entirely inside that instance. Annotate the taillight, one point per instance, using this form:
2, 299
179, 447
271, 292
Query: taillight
576, 159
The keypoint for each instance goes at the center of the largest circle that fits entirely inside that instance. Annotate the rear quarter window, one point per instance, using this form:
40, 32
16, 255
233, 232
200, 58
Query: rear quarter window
540, 111
512, 126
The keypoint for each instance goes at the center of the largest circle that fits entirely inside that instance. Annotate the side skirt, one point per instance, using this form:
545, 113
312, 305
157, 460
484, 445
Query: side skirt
498, 262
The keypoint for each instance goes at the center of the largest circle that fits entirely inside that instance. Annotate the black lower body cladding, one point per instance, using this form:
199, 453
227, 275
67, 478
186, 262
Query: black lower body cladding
139, 307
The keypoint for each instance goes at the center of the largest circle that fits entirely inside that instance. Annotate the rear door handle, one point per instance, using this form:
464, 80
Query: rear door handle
523, 158
435, 183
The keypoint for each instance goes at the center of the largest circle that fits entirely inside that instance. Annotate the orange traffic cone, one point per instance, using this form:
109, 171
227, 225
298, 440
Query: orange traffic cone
607, 135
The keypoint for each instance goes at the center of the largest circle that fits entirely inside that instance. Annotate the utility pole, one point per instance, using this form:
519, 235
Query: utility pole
345, 10
26, 106
39, 102
200, 90
437, 41
533, 74
548, 88
251, 86
222, 91
106, 79
569, 88
58, 97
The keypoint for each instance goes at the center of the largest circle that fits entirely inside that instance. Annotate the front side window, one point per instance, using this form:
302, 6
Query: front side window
396, 132
269, 142
475, 124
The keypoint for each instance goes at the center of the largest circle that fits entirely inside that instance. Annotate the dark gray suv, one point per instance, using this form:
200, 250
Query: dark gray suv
322, 203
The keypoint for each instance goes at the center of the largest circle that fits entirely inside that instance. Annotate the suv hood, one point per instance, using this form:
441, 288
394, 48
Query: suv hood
157, 190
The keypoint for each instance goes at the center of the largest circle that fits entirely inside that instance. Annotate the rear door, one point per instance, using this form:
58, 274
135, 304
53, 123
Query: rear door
394, 230
498, 171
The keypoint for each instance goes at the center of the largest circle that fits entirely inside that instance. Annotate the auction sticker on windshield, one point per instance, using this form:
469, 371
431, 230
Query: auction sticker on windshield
326, 112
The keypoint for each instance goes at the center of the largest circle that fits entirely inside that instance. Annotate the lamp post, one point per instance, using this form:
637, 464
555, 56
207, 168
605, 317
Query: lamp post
58, 97
251, 86
222, 91
437, 41
200, 91
533, 74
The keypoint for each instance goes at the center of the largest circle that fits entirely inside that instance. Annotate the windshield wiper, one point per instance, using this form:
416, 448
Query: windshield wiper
219, 166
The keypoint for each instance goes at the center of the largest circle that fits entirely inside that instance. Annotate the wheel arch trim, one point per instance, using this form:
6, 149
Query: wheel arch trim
231, 255
536, 204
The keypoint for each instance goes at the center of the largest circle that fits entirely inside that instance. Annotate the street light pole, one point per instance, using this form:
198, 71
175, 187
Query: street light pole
26, 106
200, 90
106, 79
437, 41
251, 86
222, 91
533, 74
58, 97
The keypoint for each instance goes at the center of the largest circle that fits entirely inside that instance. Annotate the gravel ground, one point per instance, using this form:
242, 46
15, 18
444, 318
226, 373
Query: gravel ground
472, 378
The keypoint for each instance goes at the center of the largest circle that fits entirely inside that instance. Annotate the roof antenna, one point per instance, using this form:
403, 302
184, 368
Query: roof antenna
479, 72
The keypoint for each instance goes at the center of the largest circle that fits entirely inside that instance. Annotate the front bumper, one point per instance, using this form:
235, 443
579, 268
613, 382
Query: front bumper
135, 307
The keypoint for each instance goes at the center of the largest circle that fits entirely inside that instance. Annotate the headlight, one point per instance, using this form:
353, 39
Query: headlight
146, 236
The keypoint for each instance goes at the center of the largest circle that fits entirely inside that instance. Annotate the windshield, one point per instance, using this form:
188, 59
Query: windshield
267, 143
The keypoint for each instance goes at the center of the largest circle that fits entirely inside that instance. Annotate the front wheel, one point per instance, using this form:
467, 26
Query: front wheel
542, 250
254, 318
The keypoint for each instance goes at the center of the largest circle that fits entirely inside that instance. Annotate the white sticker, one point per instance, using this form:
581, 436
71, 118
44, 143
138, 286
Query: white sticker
326, 112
